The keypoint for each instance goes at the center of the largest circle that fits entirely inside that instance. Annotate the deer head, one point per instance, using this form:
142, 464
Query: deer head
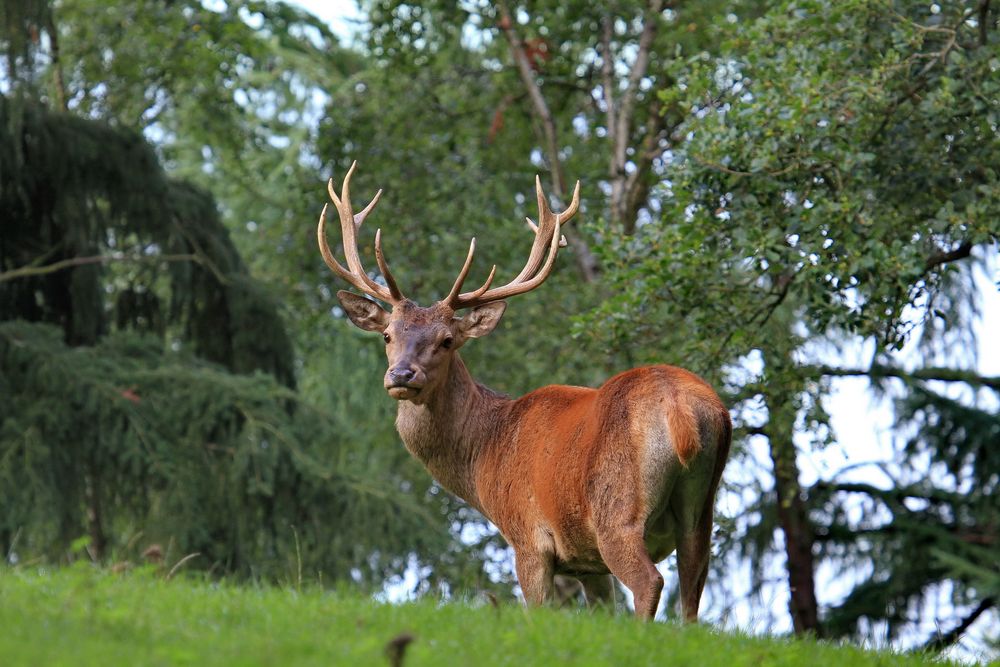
420, 342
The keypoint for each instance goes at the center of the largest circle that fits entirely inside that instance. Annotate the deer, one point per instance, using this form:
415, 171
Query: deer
579, 481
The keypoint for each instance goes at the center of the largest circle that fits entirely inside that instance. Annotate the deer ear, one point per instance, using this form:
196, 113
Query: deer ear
365, 313
482, 320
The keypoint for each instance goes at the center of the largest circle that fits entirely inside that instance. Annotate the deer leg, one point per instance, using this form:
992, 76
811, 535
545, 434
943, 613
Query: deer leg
565, 590
624, 552
693, 552
599, 589
534, 573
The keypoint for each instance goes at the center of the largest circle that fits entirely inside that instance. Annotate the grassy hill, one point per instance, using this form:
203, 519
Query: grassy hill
81, 616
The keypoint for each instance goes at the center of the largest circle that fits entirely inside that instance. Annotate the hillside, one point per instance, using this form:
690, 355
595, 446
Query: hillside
81, 616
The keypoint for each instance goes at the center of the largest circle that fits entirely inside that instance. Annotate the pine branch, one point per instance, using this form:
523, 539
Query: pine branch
896, 495
942, 642
31, 271
922, 374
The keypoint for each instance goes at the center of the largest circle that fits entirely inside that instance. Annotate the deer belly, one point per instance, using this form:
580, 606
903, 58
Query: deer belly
577, 553
575, 545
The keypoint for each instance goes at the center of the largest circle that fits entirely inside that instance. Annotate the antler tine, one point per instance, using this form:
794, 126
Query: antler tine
543, 228
349, 224
548, 240
457, 287
486, 285
574, 205
514, 287
383, 265
534, 228
457, 300
331, 261
360, 217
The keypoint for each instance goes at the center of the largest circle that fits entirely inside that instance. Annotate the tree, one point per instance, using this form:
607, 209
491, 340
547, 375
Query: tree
837, 168
148, 380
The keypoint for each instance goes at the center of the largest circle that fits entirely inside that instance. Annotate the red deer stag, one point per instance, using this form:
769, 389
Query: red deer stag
579, 481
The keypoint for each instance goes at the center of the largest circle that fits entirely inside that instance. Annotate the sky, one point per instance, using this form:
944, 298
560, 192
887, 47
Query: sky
863, 424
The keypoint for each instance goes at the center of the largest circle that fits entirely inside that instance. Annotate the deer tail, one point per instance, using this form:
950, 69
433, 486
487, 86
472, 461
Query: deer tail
684, 434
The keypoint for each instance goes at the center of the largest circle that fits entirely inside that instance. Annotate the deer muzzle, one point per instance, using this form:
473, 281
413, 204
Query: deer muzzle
403, 383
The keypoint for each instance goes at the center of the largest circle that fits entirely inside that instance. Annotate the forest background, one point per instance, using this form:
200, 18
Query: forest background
796, 199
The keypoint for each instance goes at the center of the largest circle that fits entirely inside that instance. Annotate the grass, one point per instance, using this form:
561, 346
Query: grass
83, 616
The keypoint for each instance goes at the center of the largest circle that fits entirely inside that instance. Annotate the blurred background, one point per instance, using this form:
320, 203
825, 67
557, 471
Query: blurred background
798, 200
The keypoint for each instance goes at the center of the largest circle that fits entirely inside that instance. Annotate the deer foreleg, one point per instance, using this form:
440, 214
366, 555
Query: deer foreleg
534, 573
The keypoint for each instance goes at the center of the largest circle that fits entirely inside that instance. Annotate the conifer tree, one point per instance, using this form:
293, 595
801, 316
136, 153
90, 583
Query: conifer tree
147, 381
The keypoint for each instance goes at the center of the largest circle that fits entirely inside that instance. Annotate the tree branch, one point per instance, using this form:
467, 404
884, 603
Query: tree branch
607, 73
31, 271
984, 17
621, 131
922, 374
944, 256
942, 642
586, 261
636, 75
896, 494
62, 99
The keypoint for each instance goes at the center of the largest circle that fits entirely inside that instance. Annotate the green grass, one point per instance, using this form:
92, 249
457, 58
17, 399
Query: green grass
82, 616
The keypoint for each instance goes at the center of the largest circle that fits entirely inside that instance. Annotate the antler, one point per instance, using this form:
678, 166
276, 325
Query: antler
547, 237
349, 224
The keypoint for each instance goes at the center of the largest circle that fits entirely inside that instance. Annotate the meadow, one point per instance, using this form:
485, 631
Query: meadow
82, 615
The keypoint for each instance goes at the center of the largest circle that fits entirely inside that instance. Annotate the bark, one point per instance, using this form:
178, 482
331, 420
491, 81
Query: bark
798, 534
59, 85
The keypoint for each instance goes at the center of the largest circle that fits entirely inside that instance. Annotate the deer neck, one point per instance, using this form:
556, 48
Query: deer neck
451, 431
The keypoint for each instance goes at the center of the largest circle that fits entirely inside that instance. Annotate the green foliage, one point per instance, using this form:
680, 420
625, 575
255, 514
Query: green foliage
116, 437
77, 188
85, 617
233, 467
833, 160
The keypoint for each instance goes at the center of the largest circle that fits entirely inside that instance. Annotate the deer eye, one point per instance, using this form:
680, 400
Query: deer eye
446, 343
386, 338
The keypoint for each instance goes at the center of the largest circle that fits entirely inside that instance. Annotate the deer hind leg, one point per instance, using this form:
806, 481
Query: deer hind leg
624, 552
693, 552
691, 506
534, 573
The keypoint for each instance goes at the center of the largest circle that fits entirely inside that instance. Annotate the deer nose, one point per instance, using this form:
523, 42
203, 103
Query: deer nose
401, 375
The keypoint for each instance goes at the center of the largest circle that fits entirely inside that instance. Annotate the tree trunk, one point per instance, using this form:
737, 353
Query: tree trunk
585, 260
798, 534
792, 513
